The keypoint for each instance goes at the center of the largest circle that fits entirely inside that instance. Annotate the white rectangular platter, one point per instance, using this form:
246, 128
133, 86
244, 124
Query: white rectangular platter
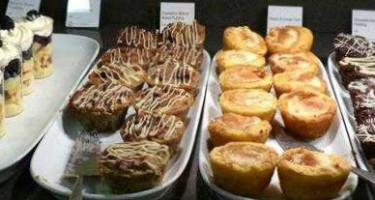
345, 105
335, 141
72, 56
50, 158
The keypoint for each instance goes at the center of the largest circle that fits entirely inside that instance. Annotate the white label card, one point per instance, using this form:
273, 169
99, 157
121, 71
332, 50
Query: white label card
83, 13
18, 8
284, 15
173, 12
363, 23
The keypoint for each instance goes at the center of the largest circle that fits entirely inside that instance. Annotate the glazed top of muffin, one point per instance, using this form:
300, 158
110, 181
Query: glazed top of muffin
8, 52
146, 126
135, 158
362, 65
238, 58
289, 62
41, 25
298, 78
107, 98
245, 155
244, 74
231, 120
313, 162
308, 104
256, 98
283, 36
16, 33
244, 34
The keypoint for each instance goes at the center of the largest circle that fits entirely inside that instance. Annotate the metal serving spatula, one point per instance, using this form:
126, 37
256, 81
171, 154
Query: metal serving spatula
288, 142
82, 161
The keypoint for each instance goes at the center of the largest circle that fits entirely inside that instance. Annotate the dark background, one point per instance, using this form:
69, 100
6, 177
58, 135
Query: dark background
325, 18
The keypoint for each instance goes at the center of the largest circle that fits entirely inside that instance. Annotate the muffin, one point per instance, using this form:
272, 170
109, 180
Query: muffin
11, 64
174, 74
311, 175
245, 78
129, 75
243, 168
21, 37
42, 27
163, 129
102, 107
238, 58
307, 114
285, 62
232, 127
243, 38
133, 166
249, 102
294, 80
164, 100
289, 39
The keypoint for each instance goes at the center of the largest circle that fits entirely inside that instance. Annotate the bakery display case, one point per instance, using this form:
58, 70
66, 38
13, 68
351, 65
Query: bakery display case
224, 101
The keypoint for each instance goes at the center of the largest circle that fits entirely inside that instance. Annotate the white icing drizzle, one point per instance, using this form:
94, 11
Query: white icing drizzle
360, 85
364, 133
183, 34
186, 55
124, 74
136, 37
159, 100
131, 156
363, 65
108, 97
146, 126
355, 44
173, 73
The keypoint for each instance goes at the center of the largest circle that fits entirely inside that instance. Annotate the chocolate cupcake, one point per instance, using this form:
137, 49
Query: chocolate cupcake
102, 107
42, 27
347, 45
21, 37
133, 166
11, 64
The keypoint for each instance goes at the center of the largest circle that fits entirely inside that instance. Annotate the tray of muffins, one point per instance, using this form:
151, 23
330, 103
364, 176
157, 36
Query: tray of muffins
351, 68
248, 95
35, 78
144, 98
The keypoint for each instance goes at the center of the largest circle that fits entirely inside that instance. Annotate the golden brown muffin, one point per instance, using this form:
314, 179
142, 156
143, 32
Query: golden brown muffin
243, 38
289, 39
291, 81
303, 61
231, 127
243, 168
249, 102
238, 58
307, 114
245, 78
311, 175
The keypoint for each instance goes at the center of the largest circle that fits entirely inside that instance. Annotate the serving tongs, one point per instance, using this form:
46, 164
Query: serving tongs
288, 142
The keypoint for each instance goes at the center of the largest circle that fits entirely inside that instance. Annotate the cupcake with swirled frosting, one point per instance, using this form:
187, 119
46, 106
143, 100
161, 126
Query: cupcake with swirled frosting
42, 27
21, 37
10, 63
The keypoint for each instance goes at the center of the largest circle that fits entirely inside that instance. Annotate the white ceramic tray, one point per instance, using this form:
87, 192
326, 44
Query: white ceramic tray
345, 105
50, 158
335, 141
72, 56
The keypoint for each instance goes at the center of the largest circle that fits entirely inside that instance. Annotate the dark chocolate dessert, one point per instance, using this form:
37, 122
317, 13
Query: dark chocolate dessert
347, 45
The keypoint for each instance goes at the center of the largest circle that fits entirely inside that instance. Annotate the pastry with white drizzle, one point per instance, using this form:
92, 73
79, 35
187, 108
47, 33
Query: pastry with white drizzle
129, 75
163, 129
102, 107
347, 45
133, 166
140, 38
192, 57
164, 100
186, 35
351, 68
175, 74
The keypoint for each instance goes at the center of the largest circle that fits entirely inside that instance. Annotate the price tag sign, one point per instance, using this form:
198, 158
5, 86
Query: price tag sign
363, 23
83, 13
18, 8
283, 16
173, 12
